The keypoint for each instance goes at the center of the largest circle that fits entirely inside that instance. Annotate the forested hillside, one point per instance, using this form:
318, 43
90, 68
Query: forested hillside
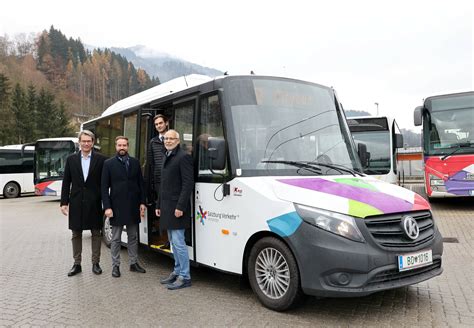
49, 84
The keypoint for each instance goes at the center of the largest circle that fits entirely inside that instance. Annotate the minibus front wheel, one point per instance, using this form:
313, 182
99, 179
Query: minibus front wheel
273, 274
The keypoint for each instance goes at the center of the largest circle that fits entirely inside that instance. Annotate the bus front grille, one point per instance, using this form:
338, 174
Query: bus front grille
388, 232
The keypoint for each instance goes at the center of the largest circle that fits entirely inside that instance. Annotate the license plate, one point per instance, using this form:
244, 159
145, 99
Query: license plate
414, 260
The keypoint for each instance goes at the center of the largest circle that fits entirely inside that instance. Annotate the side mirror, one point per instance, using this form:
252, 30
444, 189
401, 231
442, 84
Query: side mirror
363, 154
398, 140
216, 153
417, 115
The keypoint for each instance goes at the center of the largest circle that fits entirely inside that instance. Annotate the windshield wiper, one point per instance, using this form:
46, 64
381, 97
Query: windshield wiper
301, 165
459, 146
339, 168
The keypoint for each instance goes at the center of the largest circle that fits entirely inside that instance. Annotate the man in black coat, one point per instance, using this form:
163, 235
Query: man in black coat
155, 159
123, 197
174, 208
81, 199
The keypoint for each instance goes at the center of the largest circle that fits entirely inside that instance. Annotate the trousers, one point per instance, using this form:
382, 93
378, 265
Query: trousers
77, 245
132, 247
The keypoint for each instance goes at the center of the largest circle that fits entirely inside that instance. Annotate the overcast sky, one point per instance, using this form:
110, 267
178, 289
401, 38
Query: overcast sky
394, 53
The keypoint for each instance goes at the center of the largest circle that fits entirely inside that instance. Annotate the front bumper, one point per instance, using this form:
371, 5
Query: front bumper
333, 266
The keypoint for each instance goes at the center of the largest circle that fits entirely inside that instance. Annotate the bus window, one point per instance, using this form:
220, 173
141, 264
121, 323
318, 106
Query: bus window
130, 131
183, 123
106, 131
210, 126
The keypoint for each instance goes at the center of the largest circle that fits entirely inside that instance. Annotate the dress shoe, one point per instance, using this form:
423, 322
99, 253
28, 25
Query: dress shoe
96, 268
137, 268
115, 272
170, 279
76, 268
179, 283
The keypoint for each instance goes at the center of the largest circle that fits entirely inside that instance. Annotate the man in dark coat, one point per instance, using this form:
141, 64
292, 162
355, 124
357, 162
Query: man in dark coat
155, 159
174, 208
81, 199
123, 197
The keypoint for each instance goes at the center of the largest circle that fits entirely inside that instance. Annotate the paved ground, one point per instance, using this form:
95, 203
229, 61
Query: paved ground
35, 291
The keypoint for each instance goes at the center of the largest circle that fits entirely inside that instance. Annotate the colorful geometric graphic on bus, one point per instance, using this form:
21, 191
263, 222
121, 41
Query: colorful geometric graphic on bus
285, 225
366, 199
41, 189
456, 171
201, 215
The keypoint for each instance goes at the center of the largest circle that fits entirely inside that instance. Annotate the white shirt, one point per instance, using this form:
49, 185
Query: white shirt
85, 163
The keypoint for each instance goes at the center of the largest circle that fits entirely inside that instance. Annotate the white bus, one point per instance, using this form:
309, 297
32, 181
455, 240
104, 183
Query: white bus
382, 137
49, 163
280, 196
16, 170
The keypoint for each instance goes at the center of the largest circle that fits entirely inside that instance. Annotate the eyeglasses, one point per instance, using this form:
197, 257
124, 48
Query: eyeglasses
168, 138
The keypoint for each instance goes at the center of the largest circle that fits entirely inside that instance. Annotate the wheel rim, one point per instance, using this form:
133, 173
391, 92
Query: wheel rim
272, 273
107, 230
11, 190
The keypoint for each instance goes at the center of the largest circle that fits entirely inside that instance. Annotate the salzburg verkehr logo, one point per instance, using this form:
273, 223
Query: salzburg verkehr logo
201, 215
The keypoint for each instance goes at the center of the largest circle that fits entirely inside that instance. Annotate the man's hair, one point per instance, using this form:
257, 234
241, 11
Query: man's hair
175, 132
86, 133
165, 119
120, 137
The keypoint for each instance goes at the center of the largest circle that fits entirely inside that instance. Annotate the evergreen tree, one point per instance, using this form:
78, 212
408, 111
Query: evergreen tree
62, 127
31, 101
6, 122
46, 114
19, 110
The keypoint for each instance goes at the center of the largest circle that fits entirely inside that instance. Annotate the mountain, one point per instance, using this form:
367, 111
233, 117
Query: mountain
162, 65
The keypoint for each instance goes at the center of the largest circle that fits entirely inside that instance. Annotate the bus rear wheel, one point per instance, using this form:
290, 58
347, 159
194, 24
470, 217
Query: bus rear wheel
107, 232
273, 274
11, 190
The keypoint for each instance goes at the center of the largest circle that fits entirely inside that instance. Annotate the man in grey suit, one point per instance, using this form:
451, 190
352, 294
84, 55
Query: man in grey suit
174, 207
123, 197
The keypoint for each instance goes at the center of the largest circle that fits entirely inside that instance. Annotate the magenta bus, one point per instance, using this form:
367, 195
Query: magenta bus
448, 144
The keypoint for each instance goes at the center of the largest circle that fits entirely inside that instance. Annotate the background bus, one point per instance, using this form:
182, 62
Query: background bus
16, 170
382, 137
49, 162
448, 144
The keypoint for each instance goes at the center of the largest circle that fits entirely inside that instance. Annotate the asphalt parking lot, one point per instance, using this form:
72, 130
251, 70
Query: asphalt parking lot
35, 290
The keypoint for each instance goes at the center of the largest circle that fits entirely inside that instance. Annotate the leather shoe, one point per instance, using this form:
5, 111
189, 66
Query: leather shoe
170, 279
137, 268
76, 268
179, 283
96, 268
115, 272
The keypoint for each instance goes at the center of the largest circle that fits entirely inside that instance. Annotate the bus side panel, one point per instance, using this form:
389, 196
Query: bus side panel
224, 227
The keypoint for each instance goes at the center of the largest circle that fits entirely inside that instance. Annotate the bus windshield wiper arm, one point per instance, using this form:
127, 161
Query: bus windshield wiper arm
465, 144
302, 165
339, 168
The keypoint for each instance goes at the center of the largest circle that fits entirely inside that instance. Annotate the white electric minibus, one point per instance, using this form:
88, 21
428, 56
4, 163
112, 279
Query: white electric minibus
280, 195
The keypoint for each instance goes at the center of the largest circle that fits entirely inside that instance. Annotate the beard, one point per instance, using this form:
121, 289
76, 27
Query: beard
122, 152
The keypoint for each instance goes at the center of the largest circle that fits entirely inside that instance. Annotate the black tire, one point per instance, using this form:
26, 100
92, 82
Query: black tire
278, 291
11, 190
107, 232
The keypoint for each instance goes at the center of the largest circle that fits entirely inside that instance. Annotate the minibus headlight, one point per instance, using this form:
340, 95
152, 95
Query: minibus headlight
340, 224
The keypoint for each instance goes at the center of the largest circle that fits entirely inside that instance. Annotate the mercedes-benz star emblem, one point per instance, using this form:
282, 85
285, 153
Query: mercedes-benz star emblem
410, 227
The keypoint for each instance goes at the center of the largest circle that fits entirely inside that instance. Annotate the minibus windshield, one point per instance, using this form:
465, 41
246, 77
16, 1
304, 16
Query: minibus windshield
278, 122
